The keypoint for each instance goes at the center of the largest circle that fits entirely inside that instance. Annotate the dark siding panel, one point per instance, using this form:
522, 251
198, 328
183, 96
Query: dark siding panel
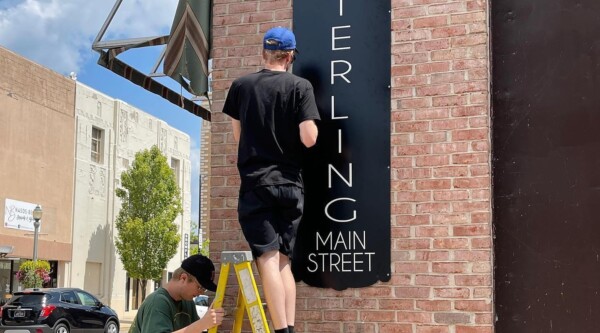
546, 165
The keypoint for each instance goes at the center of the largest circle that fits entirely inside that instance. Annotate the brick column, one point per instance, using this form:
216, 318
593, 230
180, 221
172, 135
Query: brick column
441, 167
441, 211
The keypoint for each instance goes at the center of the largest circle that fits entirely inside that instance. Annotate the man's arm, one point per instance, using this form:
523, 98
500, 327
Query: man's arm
308, 133
237, 129
213, 317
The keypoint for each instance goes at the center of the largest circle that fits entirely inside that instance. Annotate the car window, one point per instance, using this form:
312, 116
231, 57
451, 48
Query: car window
86, 299
69, 297
201, 300
28, 299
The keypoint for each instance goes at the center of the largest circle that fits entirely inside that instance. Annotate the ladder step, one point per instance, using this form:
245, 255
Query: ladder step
236, 257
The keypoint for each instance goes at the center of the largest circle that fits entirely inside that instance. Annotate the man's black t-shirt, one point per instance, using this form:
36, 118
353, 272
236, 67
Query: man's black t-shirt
270, 105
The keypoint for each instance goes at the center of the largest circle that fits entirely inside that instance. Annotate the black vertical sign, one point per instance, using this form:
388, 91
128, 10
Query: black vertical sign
186, 242
345, 51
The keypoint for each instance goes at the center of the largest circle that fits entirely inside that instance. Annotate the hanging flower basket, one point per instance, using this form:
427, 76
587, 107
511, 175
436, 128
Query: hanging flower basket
34, 274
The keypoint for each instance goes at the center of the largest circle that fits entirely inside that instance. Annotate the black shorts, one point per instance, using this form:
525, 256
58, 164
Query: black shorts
269, 217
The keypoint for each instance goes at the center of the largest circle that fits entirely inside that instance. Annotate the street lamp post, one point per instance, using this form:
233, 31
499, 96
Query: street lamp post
37, 216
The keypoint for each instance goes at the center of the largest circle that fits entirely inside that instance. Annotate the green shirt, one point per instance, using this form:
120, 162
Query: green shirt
160, 313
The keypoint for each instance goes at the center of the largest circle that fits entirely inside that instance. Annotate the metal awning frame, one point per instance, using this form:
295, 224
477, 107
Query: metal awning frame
98, 45
103, 47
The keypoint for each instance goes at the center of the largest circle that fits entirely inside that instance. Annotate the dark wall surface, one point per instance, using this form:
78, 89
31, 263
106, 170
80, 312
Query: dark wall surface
546, 165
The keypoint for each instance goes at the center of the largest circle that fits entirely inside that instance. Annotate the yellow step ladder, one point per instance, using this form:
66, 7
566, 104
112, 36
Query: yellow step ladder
248, 298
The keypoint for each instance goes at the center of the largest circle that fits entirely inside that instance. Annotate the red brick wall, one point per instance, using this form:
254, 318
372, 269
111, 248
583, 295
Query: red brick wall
441, 224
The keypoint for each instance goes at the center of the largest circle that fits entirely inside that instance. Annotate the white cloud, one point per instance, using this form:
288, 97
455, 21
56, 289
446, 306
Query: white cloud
59, 33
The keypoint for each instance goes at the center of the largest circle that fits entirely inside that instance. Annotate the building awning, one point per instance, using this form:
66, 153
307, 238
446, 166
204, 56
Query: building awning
186, 56
5, 251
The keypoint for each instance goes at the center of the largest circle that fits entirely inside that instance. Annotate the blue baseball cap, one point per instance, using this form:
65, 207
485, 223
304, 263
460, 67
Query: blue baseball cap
279, 38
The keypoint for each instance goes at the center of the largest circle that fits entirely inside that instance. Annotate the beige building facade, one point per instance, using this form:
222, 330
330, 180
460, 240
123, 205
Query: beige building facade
440, 186
108, 134
37, 140
64, 147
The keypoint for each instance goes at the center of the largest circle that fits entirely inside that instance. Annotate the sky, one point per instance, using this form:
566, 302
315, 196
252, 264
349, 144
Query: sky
58, 34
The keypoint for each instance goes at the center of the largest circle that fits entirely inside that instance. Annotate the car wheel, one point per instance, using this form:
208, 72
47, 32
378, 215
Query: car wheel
111, 327
61, 328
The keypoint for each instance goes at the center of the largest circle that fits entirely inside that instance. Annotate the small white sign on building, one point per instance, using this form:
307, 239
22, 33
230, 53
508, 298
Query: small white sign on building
19, 215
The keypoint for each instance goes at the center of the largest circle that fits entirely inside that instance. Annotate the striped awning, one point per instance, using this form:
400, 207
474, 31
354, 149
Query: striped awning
186, 56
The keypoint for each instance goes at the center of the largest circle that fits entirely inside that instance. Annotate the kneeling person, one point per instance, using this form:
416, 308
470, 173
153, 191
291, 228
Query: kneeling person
171, 309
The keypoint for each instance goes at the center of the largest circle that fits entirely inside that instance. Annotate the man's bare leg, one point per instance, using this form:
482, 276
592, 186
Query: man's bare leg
289, 285
274, 288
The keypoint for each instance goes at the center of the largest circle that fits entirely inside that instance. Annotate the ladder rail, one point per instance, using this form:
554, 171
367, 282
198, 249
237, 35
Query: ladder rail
248, 300
220, 293
239, 313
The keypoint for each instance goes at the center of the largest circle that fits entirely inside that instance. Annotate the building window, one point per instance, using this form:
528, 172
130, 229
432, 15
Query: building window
175, 167
134, 116
93, 278
97, 145
5, 280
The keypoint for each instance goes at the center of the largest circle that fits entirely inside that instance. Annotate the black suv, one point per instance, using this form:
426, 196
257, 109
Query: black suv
57, 310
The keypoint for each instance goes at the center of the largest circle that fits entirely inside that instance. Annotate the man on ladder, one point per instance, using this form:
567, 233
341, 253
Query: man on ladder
273, 117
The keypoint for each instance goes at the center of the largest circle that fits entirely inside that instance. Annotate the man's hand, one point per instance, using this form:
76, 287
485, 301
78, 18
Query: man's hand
212, 318
215, 316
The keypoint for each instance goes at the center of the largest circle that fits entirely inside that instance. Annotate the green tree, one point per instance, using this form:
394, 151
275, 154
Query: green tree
195, 246
200, 249
204, 248
150, 201
194, 237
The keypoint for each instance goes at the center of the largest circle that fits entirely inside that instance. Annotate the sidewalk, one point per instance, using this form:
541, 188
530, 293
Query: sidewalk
125, 323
